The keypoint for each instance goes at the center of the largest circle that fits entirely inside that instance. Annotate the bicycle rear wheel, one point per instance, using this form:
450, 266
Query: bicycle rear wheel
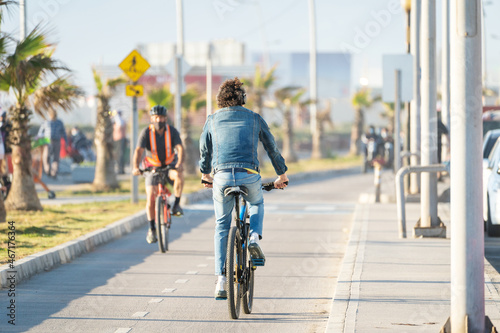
232, 261
248, 296
160, 223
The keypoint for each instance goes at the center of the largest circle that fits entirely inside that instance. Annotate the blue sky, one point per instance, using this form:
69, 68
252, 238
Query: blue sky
105, 31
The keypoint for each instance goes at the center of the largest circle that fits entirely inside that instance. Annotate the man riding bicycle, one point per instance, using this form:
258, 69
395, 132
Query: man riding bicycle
160, 141
228, 146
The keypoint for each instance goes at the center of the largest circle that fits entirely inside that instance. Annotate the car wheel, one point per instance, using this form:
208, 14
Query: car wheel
493, 230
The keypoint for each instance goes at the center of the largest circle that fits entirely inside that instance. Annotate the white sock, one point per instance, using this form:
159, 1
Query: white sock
254, 237
221, 279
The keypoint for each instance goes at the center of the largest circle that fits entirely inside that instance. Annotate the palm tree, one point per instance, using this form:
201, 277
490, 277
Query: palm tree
360, 101
161, 96
191, 102
287, 98
24, 72
258, 87
105, 176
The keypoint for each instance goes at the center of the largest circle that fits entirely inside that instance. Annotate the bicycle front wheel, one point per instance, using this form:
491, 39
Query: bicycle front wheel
232, 274
160, 223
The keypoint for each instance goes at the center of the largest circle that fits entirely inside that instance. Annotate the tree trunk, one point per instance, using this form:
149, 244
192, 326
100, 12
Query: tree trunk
3, 212
22, 195
105, 175
189, 148
288, 151
356, 131
317, 152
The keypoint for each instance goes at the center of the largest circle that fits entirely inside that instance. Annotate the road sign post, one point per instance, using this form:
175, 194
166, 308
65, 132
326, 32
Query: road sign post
134, 66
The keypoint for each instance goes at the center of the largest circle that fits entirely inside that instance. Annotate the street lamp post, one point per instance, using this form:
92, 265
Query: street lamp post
415, 103
406, 5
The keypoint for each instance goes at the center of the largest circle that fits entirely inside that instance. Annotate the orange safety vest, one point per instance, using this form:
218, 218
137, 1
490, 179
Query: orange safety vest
170, 155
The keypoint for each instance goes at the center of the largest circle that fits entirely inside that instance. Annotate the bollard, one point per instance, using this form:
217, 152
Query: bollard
377, 167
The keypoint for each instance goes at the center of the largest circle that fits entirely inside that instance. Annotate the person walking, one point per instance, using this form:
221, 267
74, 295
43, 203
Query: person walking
52, 129
119, 140
228, 147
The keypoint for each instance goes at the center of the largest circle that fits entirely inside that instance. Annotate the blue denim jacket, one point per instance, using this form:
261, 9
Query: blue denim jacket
230, 139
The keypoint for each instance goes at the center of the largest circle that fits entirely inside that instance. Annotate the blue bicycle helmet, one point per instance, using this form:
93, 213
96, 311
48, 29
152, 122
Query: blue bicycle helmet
158, 110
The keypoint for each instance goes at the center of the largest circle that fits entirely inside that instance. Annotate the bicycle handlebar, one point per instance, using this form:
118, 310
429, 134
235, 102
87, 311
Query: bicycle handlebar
154, 170
267, 186
270, 186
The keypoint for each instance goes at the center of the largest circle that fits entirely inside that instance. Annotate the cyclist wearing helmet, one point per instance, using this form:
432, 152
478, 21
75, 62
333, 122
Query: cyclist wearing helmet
228, 147
160, 141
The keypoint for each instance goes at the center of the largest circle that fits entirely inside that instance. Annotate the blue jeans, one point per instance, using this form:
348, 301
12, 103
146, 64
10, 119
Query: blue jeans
223, 207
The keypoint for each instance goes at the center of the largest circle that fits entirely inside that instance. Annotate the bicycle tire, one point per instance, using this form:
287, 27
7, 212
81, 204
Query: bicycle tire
159, 204
232, 285
248, 296
166, 227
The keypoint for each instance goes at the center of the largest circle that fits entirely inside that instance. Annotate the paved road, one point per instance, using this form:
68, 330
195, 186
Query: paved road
127, 285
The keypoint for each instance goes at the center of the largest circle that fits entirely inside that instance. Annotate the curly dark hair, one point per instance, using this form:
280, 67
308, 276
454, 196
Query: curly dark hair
230, 93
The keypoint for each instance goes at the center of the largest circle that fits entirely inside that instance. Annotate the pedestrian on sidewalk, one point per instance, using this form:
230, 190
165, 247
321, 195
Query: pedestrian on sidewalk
52, 129
119, 140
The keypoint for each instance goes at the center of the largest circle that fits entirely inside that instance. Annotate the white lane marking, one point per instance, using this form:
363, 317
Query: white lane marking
320, 208
202, 207
140, 314
123, 330
202, 265
191, 272
210, 258
156, 300
181, 281
271, 207
169, 290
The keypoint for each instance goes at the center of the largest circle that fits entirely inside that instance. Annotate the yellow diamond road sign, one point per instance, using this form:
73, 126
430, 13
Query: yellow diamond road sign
134, 65
134, 90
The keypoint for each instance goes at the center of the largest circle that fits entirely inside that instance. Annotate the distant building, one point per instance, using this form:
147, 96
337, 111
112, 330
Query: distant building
226, 52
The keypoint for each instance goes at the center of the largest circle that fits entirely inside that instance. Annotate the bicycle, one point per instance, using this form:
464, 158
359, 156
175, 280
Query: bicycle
163, 217
240, 267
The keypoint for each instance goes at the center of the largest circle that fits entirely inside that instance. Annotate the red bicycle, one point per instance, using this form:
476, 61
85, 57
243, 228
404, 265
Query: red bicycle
163, 217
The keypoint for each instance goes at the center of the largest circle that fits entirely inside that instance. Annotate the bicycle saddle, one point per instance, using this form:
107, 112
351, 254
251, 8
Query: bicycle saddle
236, 190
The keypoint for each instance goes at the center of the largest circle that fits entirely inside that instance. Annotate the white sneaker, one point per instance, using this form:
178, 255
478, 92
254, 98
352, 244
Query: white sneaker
220, 291
254, 248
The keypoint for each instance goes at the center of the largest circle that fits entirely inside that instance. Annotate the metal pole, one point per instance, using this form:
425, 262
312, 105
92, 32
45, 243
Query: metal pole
415, 103
209, 80
467, 243
313, 93
134, 119
428, 196
445, 75
22, 21
397, 130
179, 78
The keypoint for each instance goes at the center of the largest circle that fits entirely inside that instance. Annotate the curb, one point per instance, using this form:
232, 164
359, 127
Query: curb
66, 252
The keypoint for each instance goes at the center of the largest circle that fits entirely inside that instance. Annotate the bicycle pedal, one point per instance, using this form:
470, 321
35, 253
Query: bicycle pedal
258, 262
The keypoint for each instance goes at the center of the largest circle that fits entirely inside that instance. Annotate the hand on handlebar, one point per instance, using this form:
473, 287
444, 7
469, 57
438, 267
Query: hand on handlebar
281, 181
136, 171
207, 180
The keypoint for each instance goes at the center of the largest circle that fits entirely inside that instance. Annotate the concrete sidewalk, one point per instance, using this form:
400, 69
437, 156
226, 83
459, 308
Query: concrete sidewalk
397, 285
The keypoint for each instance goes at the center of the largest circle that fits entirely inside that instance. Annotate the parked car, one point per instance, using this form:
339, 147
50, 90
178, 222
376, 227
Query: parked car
492, 195
489, 140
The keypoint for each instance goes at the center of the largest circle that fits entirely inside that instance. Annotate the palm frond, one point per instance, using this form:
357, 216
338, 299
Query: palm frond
115, 82
161, 96
34, 44
59, 94
97, 80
